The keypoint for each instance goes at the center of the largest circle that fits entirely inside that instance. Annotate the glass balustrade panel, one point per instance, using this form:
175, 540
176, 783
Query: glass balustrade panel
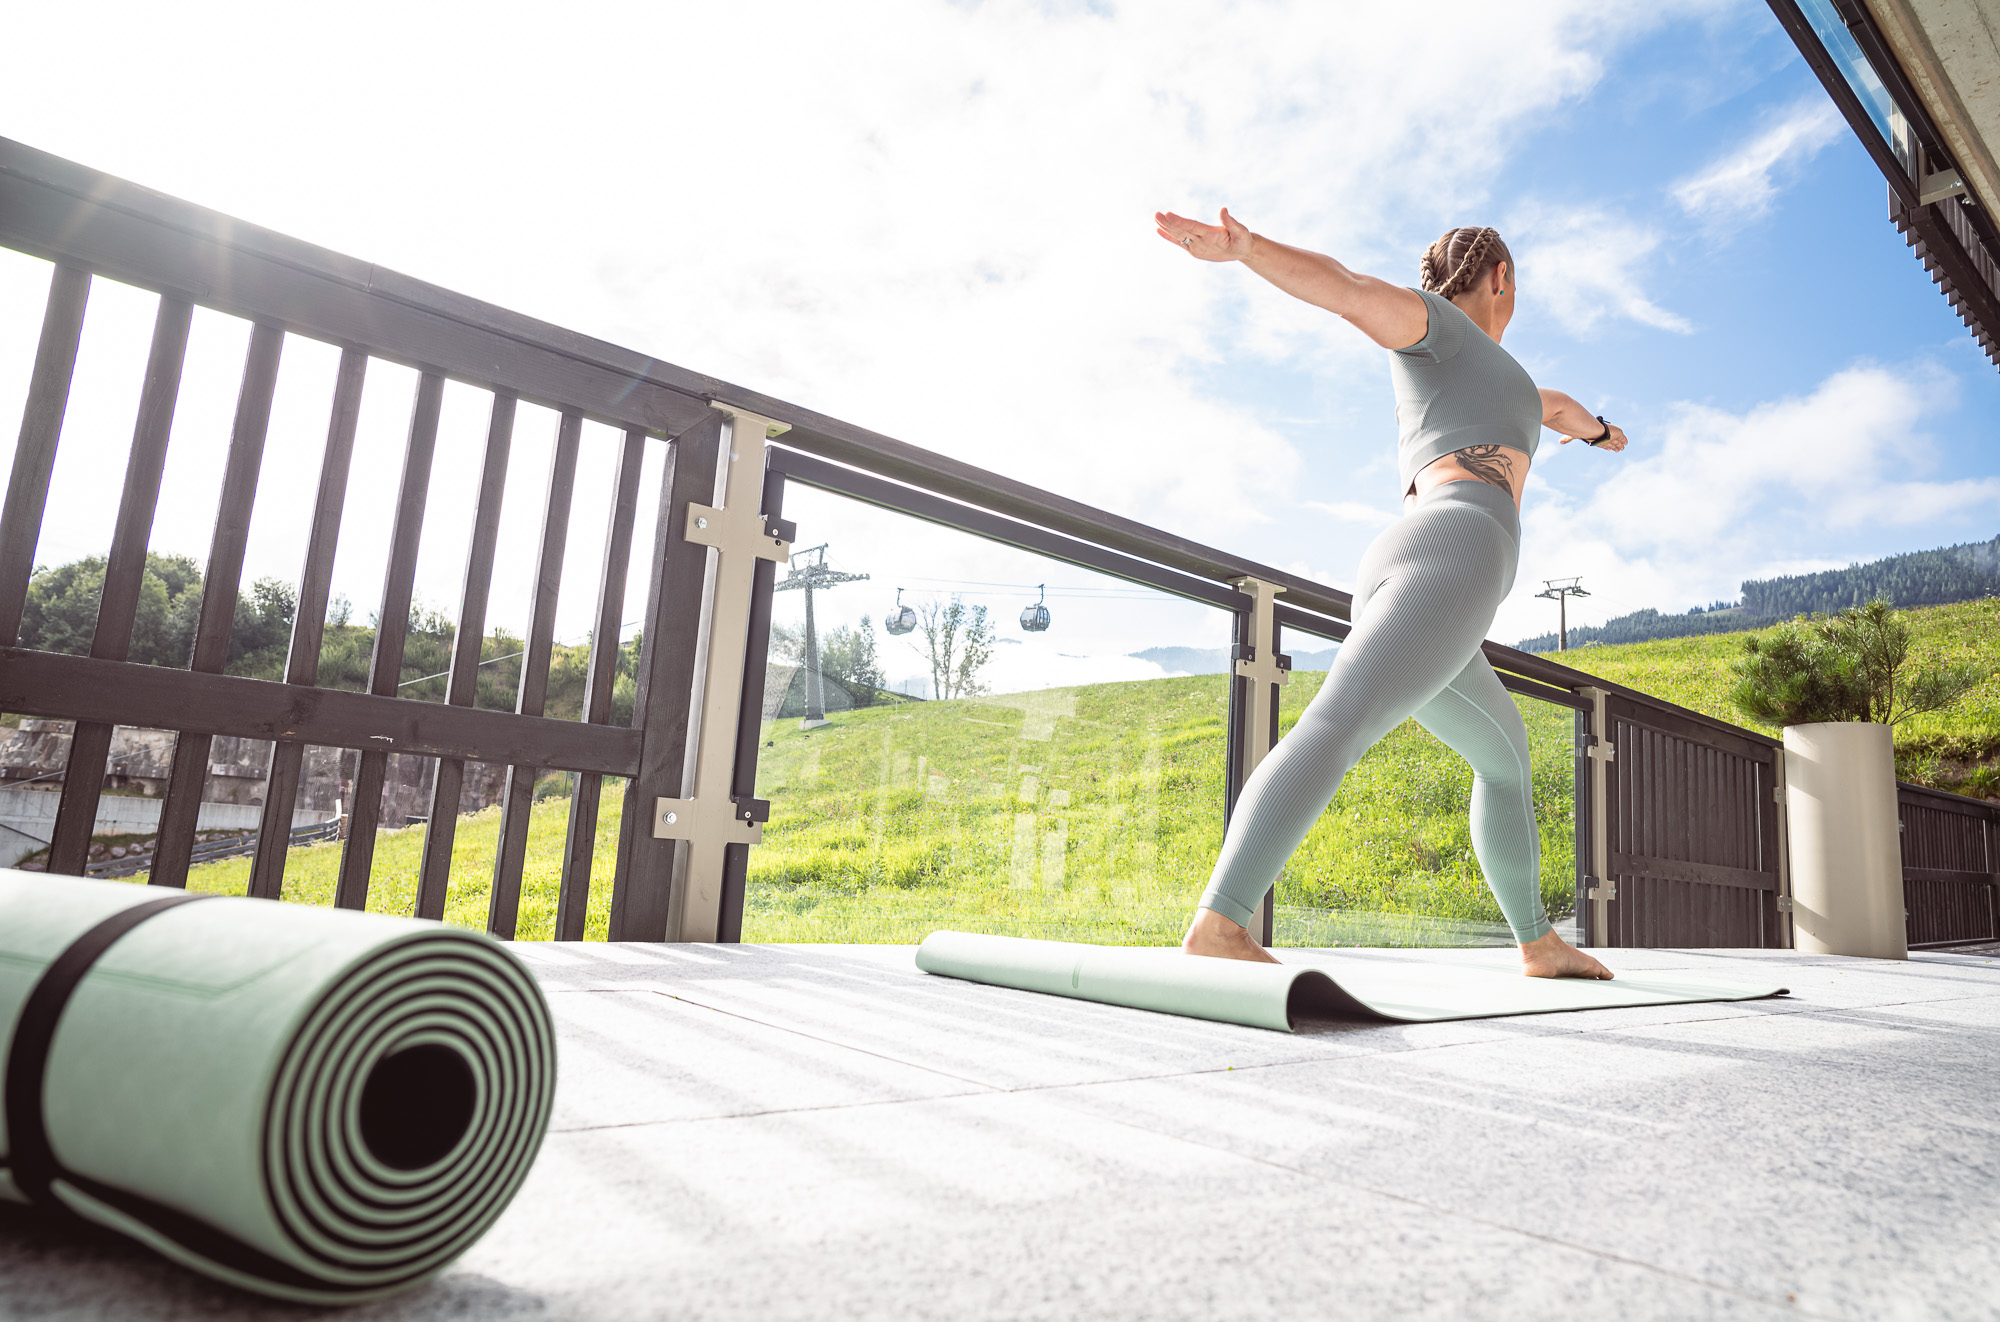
974, 737
1390, 862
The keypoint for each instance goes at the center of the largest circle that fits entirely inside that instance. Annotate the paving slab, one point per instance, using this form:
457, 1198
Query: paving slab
824, 1132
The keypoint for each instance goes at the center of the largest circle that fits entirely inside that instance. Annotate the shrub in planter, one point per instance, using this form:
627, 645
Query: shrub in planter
1853, 666
1838, 683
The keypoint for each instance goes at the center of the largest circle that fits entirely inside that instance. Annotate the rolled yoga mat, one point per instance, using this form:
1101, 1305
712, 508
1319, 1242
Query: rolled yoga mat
1399, 985
315, 1104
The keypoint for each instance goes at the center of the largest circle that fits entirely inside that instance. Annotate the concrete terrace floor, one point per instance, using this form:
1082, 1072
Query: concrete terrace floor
820, 1132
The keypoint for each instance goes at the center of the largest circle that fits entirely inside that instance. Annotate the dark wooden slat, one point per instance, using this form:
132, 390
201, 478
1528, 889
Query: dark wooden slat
188, 775
1944, 801
1529, 688
1683, 870
392, 626
56, 208
127, 693
1319, 626
517, 800
124, 574
440, 831
750, 717
1691, 725
281, 784
668, 659
35, 452
125, 566
580, 839
1950, 874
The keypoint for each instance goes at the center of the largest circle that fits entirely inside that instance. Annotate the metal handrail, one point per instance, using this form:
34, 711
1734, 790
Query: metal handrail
144, 237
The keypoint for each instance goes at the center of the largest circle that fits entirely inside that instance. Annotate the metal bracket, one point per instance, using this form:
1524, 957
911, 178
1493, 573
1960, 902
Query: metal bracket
713, 817
681, 819
1939, 186
1260, 662
1268, 670
1602, 749
1784, 904
1599, 890
726, 530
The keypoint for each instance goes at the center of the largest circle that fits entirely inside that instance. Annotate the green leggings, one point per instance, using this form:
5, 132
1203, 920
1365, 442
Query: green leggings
1425, 598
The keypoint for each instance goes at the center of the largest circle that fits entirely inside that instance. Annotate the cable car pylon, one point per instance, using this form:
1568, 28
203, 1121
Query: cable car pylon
808, 578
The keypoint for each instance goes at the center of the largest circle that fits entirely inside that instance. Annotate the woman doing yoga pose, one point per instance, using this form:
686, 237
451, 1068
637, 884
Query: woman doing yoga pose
1469, 419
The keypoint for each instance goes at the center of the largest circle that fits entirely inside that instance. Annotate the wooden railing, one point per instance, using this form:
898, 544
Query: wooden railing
1678, 841
1951, 867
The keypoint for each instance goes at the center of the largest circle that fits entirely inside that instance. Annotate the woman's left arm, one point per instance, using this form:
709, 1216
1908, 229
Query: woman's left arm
1575, 422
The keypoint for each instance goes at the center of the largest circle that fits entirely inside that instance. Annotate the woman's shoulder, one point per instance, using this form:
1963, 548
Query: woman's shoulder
1444, 333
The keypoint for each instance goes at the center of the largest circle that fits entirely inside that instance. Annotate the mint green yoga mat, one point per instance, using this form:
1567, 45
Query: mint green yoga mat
1398, 985
315, 1104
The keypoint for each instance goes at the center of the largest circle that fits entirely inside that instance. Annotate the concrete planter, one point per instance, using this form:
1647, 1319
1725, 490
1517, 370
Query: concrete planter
1847, 858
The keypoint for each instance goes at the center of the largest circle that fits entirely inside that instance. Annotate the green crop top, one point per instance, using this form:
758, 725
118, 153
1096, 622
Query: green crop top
1455, 388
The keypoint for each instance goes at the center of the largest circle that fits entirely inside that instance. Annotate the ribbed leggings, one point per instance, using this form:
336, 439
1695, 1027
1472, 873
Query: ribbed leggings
1424, 600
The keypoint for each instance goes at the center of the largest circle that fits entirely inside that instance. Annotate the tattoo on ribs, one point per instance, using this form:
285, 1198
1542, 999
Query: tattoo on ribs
1488, 463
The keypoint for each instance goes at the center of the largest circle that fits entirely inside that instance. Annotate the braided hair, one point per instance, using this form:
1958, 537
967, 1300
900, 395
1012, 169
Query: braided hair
1460, 257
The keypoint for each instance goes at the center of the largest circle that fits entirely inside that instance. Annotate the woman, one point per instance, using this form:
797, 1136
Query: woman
1469, 420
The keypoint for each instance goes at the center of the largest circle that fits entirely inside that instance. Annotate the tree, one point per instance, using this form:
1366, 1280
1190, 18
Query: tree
1853, 666
60, 614
260, 637
847, 656
960, 640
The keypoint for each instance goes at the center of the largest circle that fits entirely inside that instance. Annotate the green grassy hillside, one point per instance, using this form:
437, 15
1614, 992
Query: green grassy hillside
1954, 749
1094, 813
1090, 813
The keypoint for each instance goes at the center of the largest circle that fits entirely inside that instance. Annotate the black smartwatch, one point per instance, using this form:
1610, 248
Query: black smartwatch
1601, 439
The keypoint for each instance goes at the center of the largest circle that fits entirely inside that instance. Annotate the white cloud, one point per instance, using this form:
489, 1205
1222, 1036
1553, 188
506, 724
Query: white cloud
1588, 264
930, 219
1741, 184
1719, 497
1353, 511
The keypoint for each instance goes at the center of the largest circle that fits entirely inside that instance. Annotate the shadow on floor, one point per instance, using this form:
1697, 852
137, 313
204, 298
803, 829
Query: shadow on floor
71, 1268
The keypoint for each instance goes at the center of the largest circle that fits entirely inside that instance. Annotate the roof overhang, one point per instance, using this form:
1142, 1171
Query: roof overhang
1919, 83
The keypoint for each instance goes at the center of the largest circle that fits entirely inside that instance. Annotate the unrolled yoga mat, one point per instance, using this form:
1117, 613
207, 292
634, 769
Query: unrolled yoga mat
315, 1104
1405, 986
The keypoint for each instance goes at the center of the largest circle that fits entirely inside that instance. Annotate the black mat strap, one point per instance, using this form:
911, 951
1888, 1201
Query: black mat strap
32, 1160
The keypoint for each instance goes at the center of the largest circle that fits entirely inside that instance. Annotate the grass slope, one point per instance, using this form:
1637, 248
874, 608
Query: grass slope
1948, 750
1090, 813
1095, 813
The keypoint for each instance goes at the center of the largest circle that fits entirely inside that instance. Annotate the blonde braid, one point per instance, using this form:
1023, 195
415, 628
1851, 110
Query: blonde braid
1467, 269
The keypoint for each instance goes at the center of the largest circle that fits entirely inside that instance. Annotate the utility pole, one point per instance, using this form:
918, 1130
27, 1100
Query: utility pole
808, 577
1561, 590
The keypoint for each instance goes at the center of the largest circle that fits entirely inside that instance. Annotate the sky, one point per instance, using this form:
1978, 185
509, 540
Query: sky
933, 220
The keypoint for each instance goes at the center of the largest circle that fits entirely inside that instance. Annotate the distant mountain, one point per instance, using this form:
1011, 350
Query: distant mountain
1646, 625
1215, 660
1919, 578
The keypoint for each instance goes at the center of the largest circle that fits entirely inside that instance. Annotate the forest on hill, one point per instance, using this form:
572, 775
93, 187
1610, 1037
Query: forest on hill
1965, 572
61, 616
1921, 578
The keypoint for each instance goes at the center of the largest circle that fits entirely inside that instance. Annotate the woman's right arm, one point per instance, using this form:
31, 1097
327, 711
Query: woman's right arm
1390, 315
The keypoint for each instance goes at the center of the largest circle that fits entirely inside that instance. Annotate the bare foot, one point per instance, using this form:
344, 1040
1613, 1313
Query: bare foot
1219, 938
1552, 957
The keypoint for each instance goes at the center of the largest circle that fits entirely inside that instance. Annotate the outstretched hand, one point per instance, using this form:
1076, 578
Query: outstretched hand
1228, 242
1614, 442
